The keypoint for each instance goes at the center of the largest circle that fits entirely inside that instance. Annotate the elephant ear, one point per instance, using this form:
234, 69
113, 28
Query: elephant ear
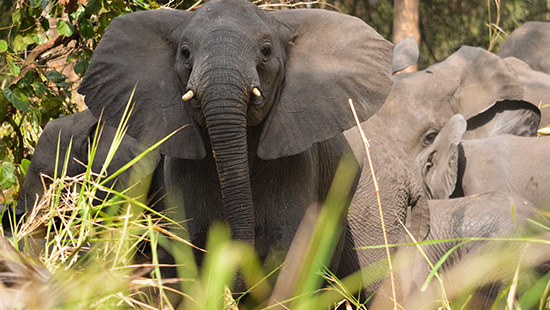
437, 164
331, 58
76, 127
531, 44
479, 78
536, 86
138, 52
405, 54
128, 149
518, 118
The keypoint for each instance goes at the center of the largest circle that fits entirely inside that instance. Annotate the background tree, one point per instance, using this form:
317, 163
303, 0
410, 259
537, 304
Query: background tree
405, 23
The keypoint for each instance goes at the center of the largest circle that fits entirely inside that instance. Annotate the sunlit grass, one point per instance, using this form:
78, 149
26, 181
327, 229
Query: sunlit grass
75, 251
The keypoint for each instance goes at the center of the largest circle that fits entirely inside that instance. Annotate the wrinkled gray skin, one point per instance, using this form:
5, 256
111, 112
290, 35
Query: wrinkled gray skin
405, 54
399, 189
487, 215
452, 167
81, 128
530, 43
470, 81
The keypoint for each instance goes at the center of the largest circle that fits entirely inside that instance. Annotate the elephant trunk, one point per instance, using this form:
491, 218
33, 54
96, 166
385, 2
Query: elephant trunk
224, 109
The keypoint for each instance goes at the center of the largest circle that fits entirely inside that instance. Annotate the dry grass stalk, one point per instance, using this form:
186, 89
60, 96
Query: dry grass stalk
365, 141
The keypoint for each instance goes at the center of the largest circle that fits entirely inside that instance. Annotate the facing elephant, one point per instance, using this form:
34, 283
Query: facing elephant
505, 163
468, 82
78, 131
251, 85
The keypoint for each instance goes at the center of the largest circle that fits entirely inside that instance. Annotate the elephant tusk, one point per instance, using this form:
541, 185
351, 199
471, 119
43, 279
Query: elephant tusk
188, 95
256, 92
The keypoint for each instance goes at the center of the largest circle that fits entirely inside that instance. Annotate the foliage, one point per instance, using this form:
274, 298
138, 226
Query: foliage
45, 48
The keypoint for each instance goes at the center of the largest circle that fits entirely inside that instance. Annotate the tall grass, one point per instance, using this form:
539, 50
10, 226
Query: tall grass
76, 252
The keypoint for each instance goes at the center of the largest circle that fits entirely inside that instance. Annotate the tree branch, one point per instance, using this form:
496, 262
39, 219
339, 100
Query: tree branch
30, 62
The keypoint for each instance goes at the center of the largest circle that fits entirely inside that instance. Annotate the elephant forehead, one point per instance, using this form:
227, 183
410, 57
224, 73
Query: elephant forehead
222, 14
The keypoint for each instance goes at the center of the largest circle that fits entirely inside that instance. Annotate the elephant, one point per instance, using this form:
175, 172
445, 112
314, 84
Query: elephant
452, 167
78, 130
487, 215
405, 54
264, 95
530, 43
470, 81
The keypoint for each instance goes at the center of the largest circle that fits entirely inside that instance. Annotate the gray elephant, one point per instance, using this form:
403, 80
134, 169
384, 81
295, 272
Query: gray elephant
452, 167
530, 43
470, 82
487, 215
265, 97
79, 130
405, 54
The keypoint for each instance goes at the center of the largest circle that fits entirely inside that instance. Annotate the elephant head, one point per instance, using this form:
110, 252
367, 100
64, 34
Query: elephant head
229, 66
468, 82
79, 130
437, 164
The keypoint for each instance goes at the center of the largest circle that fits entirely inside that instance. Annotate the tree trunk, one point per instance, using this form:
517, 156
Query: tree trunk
405, 23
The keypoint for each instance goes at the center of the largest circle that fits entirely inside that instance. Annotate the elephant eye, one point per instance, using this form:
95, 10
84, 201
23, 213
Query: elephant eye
429, 139
185, 52
266, 50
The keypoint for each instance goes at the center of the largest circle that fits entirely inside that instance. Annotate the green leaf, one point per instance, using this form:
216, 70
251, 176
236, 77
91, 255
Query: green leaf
141, 4
28, 78
63, 84
19, 43
36, 3
93, 7
24, 166
64, 29
86, 28
81, 67
39, 88
45, 23
17, 98
4, 152
4, 104
29, 39
14, 69
3, 46
55, 76
17, 16
7, 175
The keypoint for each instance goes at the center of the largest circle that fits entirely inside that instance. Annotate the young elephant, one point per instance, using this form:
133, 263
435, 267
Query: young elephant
81, 129
452, 167
487, 215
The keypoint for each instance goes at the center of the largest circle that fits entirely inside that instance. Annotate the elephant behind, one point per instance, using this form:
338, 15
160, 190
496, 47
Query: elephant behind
487, 215
452, 167
530, 43
401, 199
79, 130
472, 81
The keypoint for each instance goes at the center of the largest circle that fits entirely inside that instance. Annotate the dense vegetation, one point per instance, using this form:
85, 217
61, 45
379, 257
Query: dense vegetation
45, 48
